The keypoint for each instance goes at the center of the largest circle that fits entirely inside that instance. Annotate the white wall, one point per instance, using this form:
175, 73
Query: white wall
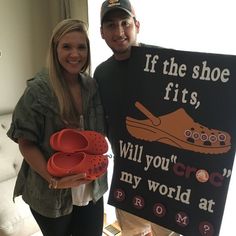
203, 25
79, 9
14, 46
25, 26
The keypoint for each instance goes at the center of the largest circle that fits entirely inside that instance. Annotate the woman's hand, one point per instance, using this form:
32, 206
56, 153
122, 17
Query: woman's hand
69, 181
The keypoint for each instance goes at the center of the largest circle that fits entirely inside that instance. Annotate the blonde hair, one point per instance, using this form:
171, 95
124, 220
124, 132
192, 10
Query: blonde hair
68, 112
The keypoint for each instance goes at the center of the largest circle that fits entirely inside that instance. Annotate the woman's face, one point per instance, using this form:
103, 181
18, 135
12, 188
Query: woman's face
72, 52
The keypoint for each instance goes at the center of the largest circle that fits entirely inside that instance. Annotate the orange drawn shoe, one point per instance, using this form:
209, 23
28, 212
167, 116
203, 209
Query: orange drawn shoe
64, 164
73, 140
178, 129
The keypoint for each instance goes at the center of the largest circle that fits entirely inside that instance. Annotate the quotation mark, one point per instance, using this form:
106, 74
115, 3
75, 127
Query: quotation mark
173, 158
227, 173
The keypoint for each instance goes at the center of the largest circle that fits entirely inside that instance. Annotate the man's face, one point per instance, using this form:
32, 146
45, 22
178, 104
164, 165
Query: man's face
120, 30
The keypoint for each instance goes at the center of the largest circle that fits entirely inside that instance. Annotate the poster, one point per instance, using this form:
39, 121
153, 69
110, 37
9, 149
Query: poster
175, 139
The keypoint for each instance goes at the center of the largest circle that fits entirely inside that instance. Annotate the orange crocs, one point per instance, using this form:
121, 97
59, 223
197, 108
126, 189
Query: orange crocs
64, 164
73, 140
178, 129
78, 152
61, 164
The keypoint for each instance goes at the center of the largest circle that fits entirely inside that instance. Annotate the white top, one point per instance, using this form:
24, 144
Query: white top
82, 195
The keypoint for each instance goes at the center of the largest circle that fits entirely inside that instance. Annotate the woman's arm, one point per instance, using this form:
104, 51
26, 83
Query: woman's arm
34, 157
36, 160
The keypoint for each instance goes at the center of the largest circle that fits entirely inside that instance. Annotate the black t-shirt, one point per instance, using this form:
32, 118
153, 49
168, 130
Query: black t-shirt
112, 77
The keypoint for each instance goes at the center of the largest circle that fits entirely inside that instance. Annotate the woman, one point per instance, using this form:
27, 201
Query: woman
63, 96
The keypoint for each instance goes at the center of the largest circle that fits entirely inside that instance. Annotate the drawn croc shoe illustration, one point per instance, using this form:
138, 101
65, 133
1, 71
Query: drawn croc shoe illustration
178, 129
74, 140
64, 164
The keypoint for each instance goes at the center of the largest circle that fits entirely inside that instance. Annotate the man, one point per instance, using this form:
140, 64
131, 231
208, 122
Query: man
119, 29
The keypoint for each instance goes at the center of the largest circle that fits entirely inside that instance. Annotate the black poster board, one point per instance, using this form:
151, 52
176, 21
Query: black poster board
175, 139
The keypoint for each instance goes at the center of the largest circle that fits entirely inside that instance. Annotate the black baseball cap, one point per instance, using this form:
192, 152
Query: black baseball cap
110, 5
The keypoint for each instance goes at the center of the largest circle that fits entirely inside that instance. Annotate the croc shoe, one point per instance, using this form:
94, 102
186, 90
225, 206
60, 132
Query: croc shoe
64, 164
179, 130
60, 164
73, 140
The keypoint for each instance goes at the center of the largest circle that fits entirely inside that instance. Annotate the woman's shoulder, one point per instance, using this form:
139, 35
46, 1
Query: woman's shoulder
40, 81
88, 82
39, 85
38, 89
